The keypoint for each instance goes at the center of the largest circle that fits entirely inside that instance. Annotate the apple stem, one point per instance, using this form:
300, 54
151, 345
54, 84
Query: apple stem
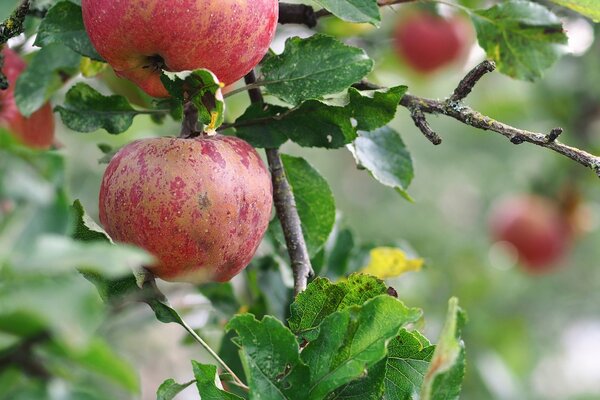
285, 206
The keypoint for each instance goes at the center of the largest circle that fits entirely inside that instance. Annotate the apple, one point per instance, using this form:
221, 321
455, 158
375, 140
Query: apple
428, 42
535, 227
139, 38
37, 130
200, 205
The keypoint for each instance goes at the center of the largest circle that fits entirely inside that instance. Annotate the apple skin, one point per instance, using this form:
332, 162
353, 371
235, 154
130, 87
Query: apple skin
138, 38
201, 205
36, 131
535, 227
428, 42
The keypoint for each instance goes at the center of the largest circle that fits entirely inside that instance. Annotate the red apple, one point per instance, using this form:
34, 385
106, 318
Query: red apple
428, 42
535, 227
201, 205
139, 38
36, 131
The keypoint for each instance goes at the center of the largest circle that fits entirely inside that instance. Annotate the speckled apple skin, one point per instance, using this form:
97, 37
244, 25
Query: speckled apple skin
36, 131
228, 37
201, 206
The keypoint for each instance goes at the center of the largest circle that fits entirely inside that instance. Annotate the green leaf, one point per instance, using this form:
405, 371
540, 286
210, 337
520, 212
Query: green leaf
523, 38
373, 109
314, 200
353, 340
99, 358
261, 127
322, 298
203, 89
447, 368
313, 67
206, 375
312, 124
54, 254
384, 155
169, 389
70, 309
42, 77
64, 24
221, 296
353, 10
589, 8
407, 363
339, 256
270, 353
86, 229
87, 110
369, 387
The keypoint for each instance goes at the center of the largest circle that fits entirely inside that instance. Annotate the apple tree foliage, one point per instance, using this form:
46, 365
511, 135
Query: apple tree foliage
346, 336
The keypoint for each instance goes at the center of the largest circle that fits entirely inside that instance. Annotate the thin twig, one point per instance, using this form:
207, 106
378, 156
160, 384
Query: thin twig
470, 80
306, 15
421, 123
285, 206
12, 27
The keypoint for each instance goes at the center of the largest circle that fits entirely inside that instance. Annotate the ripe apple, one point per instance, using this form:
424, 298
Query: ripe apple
139, 38
428, 42
535, 227
36, 131
200, 205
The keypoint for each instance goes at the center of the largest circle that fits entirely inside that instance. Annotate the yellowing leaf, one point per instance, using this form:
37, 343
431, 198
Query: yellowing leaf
389, 262
90, 68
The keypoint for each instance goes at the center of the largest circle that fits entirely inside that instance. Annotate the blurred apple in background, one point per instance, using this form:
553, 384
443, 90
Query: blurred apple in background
36, 131
428, 42
535, 226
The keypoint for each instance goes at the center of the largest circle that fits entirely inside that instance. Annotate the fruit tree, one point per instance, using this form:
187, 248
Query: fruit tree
181, 191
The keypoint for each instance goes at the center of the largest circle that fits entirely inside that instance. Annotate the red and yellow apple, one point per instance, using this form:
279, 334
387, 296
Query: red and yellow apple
428, 42
139, 38
200, 205
37, 130
535, 227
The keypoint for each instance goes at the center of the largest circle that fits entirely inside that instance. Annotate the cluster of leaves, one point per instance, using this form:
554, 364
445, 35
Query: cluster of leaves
49, 314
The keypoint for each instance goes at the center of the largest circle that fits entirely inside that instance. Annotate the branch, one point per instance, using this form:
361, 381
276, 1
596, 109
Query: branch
306, 15
454, 108
12, 27
285, 206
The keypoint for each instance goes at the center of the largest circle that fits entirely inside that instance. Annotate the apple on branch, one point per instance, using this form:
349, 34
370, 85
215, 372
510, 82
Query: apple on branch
200, 205
37, 130
140, 38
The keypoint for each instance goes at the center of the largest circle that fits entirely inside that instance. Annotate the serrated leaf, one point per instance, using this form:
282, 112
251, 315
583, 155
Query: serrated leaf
523, 37
42, 77
313, 67
383, 153
86, 229
322, 298
353, 340
314, 200
169, 389
312, 124
369, 387
64, 24
390, 262
206, 378
589, 8
407, 363
353, 10
87, 110
270, 354
444, 377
